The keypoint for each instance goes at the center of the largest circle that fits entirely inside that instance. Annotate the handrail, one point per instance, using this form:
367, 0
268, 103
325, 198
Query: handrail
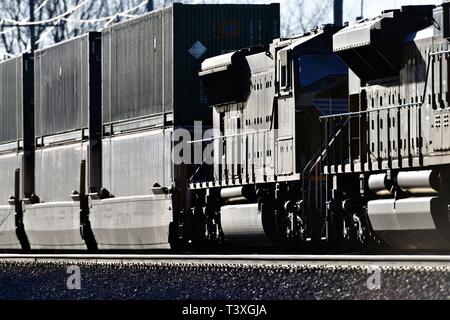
358, 113
212, 139
314, 163
321, 155
418, 104
191, 179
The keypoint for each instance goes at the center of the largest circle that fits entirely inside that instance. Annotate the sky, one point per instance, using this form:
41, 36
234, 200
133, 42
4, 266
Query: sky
352, 8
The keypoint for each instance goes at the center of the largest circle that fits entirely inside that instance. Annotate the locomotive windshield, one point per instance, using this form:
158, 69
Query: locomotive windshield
314, 67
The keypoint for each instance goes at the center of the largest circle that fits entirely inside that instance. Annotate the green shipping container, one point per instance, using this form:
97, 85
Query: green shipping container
151, 63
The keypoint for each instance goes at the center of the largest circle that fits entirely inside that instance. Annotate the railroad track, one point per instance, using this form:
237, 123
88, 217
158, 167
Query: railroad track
218, 277
403, 261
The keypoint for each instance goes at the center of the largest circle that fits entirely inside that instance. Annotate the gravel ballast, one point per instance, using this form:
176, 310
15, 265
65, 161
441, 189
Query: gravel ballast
42, 281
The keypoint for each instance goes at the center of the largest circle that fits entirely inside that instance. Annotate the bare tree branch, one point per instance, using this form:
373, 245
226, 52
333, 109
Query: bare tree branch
301, 15
297, 16
16, 41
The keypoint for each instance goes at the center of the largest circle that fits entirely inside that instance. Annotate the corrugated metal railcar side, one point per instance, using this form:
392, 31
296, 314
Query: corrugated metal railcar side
151, 63
16, 147
219, 29
68, 135
150, 88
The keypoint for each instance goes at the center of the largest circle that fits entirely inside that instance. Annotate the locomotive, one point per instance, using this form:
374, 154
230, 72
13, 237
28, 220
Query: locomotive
391, 181
334, 138
265, 182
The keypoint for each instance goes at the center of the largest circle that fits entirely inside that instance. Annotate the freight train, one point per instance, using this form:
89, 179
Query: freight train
196, 127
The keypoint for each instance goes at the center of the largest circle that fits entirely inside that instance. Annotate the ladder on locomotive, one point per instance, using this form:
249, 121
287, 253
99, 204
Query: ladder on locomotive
315, 184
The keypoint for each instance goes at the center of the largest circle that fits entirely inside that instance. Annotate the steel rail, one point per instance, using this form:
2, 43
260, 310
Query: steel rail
231, 260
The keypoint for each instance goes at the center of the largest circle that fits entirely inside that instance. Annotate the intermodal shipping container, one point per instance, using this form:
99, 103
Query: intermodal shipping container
151, 63
68, 110
16, 82
16, 136
64, 90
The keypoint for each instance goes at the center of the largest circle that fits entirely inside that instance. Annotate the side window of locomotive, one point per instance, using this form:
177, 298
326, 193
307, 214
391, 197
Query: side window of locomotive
284, 72
283, 76
315, 67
